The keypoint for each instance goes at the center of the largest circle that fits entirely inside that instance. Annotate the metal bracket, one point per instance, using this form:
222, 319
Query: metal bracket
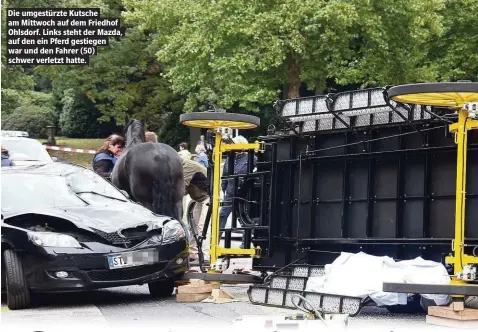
387, 101
278, 106
329, 102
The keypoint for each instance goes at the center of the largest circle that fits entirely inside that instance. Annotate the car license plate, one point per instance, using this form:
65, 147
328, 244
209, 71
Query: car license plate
132, 258
118, 261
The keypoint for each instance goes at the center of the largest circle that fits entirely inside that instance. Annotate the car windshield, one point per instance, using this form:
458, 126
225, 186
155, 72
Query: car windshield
26, 150
93, 188
20, 191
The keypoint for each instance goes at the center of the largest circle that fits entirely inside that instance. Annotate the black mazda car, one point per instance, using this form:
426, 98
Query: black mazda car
65, 228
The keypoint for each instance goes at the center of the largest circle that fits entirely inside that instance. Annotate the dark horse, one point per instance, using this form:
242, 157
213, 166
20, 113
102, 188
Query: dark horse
151, 173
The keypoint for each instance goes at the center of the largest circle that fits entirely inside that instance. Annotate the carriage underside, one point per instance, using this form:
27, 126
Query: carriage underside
384, 187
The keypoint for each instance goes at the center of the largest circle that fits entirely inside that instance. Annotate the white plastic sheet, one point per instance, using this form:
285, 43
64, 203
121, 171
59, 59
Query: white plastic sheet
362, 275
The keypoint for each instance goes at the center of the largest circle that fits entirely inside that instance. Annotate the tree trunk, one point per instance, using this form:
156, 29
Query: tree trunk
293, 78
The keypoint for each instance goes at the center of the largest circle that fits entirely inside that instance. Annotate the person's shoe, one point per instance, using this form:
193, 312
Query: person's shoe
242, 246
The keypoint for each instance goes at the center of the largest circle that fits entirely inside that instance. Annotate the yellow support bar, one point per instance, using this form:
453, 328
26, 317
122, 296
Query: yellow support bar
215, 199
466, 259
470, 124
216, 250
235, 147
461, 141
236, 251
460, 129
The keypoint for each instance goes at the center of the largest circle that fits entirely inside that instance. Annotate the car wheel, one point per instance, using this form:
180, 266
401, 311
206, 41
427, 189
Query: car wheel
18, 293
163, 288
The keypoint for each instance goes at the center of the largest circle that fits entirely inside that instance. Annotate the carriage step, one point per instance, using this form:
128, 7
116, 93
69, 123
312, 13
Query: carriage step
279, 297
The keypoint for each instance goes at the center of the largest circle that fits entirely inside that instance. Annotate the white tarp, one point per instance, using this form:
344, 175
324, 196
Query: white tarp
362, 275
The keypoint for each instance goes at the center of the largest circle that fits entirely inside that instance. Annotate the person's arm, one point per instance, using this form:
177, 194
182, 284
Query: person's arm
102, 166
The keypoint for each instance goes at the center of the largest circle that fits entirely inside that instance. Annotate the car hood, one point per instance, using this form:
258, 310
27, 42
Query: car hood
107, 219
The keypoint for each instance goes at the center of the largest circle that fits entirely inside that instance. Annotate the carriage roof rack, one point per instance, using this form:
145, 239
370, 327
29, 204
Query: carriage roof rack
351, 110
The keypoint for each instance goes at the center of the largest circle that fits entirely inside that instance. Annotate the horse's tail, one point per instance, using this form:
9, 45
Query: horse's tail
162, 188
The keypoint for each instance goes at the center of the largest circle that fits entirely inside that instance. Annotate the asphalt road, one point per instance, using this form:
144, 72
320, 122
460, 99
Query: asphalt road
131, 308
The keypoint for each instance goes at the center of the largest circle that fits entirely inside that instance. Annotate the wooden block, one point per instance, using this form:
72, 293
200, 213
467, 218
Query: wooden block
198, 282
470, 324
457, 305
220, 294
191, 297
447, 312
193, 289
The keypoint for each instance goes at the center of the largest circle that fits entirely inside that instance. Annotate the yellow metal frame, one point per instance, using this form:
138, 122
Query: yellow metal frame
459, 259
440, 99
216, 250
213, 124
457, 101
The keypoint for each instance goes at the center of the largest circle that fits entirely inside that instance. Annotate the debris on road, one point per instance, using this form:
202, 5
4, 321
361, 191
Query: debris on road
195, 291
220, 296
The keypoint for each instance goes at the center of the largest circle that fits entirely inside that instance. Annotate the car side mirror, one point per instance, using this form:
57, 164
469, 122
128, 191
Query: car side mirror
54, 158
125, 193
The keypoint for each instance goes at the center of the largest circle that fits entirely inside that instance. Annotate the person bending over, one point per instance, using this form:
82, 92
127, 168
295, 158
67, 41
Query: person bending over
197, 187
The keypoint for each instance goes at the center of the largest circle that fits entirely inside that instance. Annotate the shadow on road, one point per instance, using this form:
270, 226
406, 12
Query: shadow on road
114, 296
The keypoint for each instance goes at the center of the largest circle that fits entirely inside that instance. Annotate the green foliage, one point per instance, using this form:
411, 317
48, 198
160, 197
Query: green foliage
172, 132
455, 54
122, 81
230, 51
35, 113
241, 55
392, 44
79, 118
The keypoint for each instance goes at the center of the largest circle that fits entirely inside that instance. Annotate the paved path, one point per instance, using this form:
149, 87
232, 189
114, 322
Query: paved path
131, 308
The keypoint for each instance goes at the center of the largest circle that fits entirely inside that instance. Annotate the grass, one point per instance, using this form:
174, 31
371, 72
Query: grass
83, 159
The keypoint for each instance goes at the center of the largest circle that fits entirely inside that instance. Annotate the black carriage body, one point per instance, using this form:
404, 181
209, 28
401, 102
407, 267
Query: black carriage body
385, 188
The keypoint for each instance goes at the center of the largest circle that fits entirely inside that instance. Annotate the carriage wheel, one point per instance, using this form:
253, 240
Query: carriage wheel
213, 120
451, 94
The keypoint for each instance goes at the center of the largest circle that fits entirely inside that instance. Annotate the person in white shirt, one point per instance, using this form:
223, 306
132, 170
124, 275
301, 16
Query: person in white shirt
184, 152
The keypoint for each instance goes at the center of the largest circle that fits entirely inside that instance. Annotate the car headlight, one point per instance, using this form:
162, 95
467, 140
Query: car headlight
50, 239
173, 231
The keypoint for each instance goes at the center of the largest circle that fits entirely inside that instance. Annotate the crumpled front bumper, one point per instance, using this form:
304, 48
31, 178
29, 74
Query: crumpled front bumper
91, 270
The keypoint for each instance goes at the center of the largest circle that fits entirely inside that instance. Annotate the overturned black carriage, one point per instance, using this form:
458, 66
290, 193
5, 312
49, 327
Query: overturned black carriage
355, 171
